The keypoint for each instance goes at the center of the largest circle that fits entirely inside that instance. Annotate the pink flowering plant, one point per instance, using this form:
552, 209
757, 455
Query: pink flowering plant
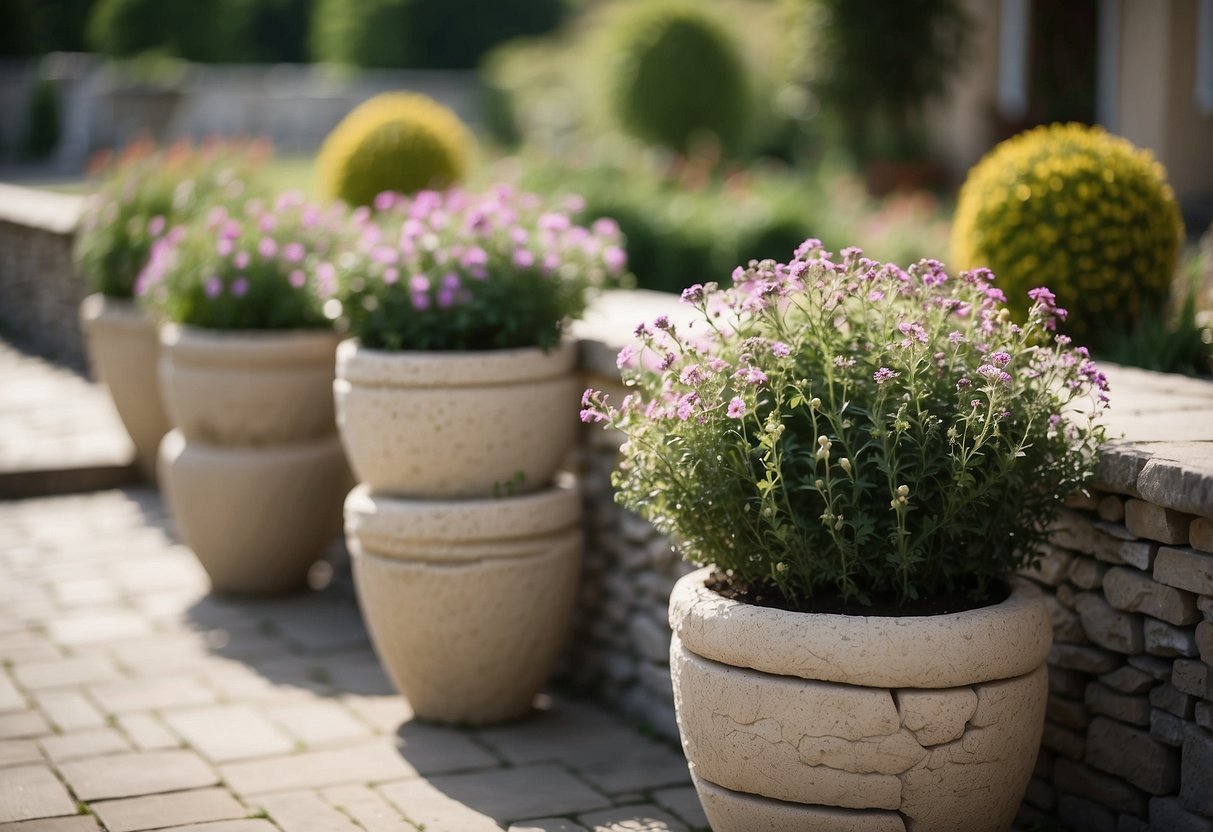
257, 265
464, 271
143, 192
845, 429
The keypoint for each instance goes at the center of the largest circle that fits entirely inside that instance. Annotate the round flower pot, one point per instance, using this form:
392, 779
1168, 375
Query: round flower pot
803, 721
248, 388
254, 473
467, 601
123, 351
460, 424
257, 518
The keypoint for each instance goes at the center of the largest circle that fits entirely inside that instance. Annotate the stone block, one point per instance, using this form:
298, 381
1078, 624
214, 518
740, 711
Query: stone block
1133, 755
1068, 683
1200, 534
1111, 508
1168, 814
1068, 712
651, 638
1183, 486
1075, 778
1204, 641
1063, 741
1082, 501
1166, 727
1066, 595
1172, 700
1157, 523
1129, 679
1067, 625
1193, 677
1052, 568
1185, 568
1164, 640
1134, 591
1041, 794
1087, 573
1196, 791
1100, 540
1090, 660
1087, 815
1158, 668
1203, 714
1205, 604
1128, 823
1134, 710
1108, 628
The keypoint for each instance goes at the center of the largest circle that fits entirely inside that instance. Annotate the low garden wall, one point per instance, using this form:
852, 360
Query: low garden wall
1129, 579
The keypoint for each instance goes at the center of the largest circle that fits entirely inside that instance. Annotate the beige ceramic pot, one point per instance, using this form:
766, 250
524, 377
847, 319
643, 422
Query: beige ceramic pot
797, 721
447, 425
467, 601
256, 517
248, 388
123, 350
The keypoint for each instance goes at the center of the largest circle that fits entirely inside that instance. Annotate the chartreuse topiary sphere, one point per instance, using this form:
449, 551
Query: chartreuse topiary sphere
1078, 210
676, 76
394, 142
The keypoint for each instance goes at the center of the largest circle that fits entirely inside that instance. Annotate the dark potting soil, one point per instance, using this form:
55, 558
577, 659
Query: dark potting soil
768, 595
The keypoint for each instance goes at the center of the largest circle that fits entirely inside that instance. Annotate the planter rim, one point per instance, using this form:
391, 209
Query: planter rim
1001, 641
223, 347
363, 366
99, 309
450, 523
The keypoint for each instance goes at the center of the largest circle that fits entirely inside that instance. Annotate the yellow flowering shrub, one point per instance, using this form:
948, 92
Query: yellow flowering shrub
394, 142
1078, 210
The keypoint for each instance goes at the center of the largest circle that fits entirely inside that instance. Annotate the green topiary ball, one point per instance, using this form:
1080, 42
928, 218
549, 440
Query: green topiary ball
676, 76
394, 142
1080, 211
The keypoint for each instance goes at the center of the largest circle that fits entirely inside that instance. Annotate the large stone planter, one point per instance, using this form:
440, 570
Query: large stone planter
448, 425
123, 350
467, 601
796, 721
253, 473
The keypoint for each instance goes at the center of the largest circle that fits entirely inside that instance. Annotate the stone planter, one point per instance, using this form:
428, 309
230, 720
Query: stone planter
798, 721
123, 350
467, 601
450, 425
253, 473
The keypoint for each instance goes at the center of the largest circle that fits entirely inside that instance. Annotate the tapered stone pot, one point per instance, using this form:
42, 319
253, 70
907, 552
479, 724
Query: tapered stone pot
441, 425
123, 350
799, 721
253, 472
467, 601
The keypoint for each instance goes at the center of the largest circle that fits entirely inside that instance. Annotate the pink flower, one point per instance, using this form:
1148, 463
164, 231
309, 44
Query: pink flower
883, 374
297, 279
155, 225
241, 260
239, 287
736, 408
268, 247
781, 349
293, 252
626, 357
390, 275
213, 287
224, 247
523, 258
614, 258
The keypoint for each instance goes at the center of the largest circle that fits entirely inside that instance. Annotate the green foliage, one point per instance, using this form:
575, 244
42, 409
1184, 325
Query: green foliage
256, 267
432, 34
453, 271
850, 429
1081, 210
183, 28
145, 192
393, 142
677, 79
18, 28
43, 121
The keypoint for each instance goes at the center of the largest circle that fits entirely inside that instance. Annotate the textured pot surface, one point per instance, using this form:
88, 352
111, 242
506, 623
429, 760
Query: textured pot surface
124, 350
443, 425
248, 388
833, 739
467, 602
257, 518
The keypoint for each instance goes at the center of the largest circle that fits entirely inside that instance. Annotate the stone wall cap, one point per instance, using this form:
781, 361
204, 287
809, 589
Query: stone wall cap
57, 213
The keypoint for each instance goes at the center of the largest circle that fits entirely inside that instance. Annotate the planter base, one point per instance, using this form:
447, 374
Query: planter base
730, 811
257, 518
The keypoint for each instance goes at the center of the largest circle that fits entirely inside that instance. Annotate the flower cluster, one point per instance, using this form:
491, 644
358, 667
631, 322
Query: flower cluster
848, 427
143, 192
461, 271
260, 265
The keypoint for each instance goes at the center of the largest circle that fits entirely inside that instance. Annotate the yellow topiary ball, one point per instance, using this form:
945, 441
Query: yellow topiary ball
1078, 210
394, 142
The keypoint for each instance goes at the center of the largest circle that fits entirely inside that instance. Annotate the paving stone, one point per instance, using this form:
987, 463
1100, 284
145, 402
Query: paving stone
1172, 700
69, 823
1185, 568
146, 732
10, 698
161, 810
643, 818
18, 753
1134, 710
1108, 628
23, 724
1166, 727
1133, 591
1087, 815
1082, 780
151, 694
77, 670
1200, 534
1129, 679
513, 793
223, 733
385, 714
367, 807
1156, 523
547, 825
1164, 640
33, 792
27, 646
1087, 573
368, 763
88, 743
1133, 755
1168, 814
1193, 677
1090, 660
94, 628
69, 710
304, 811
131, 775
434, 749
428, 807
683, 801
248, 825
318, 723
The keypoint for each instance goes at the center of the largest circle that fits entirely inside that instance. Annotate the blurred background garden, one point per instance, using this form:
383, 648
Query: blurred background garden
711, 132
